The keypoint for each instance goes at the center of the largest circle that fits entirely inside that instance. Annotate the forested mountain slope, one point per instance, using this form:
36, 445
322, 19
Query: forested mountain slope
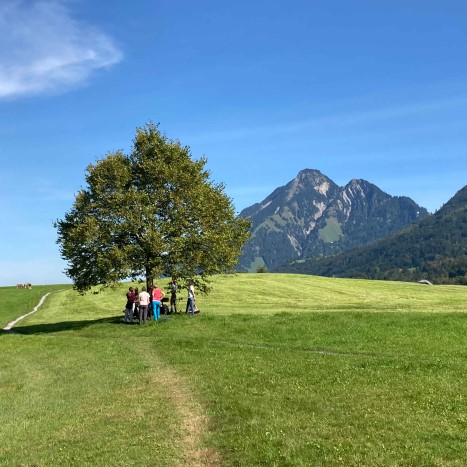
434, 248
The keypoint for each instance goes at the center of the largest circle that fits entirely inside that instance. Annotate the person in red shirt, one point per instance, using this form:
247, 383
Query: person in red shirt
157, 296
130, 299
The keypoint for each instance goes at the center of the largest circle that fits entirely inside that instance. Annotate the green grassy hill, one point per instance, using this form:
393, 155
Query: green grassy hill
276, 370
16, 302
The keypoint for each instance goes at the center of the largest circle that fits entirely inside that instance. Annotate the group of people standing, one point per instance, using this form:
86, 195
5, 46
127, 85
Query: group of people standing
143, 303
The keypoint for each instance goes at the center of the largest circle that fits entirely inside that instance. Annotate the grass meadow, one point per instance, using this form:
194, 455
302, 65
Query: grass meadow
280, 370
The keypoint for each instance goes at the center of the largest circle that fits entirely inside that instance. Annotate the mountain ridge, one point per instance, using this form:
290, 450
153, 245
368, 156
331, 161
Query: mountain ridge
311, 216
434, 248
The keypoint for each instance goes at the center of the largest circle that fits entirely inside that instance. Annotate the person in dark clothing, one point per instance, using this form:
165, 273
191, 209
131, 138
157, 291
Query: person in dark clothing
130, 300
173, 296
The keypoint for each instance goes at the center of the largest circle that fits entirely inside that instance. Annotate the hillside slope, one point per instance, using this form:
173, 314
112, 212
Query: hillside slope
434, 248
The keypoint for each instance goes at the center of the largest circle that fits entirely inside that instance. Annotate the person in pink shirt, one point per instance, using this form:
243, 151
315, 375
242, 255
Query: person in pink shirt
157, 296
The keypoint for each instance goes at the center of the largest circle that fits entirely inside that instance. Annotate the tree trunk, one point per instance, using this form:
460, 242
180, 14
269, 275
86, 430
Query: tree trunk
149, 279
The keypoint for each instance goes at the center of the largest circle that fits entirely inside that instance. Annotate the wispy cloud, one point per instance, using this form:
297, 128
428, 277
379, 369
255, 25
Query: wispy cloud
363, 116
40, 190
43, 49
48, 191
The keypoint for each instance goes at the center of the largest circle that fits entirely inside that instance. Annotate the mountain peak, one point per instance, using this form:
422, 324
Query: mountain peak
459, 199
359, 182
307, 173
310, 178
312, 216
433, 248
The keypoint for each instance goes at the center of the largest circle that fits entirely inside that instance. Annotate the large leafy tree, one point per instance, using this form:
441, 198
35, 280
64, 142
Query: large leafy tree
151, 212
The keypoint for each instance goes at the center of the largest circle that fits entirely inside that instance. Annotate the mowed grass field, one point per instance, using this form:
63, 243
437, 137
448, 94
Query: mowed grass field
276, 370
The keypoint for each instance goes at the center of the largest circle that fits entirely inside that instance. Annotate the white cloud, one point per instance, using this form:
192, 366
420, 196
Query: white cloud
43, 49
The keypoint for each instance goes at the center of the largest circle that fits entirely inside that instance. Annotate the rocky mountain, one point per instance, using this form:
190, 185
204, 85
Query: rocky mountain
434, 249
312, 216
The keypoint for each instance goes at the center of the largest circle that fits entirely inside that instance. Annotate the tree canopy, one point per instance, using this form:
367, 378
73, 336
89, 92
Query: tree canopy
154, 211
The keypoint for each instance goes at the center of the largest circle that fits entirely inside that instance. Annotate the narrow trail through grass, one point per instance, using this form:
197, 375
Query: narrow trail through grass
276, 370
10, 325
194, 421
16, 302
157, 379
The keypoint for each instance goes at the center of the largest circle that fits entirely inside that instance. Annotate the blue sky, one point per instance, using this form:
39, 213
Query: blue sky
356, 89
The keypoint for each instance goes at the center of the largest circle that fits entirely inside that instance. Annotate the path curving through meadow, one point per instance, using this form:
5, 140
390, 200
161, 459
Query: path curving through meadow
10, 325
194, 422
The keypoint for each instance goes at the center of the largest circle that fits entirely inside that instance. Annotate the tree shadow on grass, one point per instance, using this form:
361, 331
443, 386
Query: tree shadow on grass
64, 326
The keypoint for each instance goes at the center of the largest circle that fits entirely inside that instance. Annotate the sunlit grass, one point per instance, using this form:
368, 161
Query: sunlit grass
288, 369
